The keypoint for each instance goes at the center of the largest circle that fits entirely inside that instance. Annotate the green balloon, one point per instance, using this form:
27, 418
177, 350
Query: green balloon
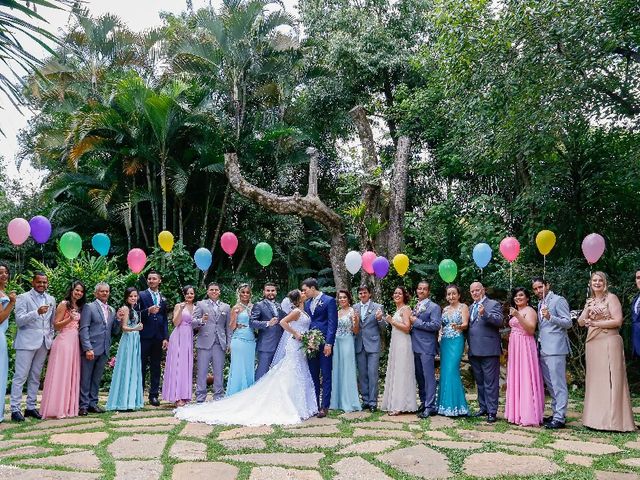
264, 253
70, 245
448, 270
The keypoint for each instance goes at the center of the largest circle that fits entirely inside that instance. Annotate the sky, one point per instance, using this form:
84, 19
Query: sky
137, 14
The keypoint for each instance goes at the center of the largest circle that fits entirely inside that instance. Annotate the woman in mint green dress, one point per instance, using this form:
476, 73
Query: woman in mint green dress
455, 319
7, 302
344, 386
126, 383
243, 344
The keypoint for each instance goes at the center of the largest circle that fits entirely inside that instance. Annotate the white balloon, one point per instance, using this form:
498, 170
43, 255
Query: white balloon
353, 262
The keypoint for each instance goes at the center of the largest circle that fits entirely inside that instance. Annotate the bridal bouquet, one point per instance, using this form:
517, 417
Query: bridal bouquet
311, 341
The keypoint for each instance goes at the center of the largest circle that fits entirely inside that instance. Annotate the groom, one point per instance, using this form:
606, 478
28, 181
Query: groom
265, 317
324, 317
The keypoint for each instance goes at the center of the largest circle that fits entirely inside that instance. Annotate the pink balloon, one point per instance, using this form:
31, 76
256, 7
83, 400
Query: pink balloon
510, 248
229, 243
593, 247
136, 259
18, 231
367, 262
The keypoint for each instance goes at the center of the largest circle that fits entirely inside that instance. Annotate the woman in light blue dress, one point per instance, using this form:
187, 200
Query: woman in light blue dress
7, 302
344, 386
243, 344
126, 384
455, 319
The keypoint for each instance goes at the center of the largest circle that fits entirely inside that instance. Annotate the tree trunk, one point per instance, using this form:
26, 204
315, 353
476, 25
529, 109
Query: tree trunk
203, 231
216, 233
163, 187
308, 206
154, 211
398, 197
180, 224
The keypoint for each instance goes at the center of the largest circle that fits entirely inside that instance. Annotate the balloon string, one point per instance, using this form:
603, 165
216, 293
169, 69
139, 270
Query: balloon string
233, 270
42, 250
176, 271
544, 268
510, 276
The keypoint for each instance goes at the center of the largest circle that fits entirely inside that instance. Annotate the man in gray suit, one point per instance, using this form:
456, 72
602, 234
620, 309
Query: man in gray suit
554, 319
425, 325
485, 349
97, 325
211, 321
34, 314
367, 345
265, 317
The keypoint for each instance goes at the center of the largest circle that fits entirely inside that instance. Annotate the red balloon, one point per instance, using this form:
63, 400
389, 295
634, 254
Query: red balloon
510, 248
136, 259
229, 243
367, 262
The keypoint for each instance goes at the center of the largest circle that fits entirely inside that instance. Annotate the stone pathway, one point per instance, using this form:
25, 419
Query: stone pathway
151, 444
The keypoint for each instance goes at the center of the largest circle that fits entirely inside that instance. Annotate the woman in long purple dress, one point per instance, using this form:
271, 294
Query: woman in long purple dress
178, 372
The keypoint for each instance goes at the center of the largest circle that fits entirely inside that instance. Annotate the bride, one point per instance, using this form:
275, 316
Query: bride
284, 396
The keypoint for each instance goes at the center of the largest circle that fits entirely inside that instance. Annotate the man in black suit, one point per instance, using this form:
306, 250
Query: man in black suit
154, 337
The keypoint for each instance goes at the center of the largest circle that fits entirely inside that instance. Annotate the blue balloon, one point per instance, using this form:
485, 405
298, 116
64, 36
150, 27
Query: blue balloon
482, 254
101, 243
203, 258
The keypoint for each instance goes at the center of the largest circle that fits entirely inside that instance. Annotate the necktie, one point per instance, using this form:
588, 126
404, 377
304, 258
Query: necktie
474, 311
364, 310
314, 303
105, 311
274, 310
155, 298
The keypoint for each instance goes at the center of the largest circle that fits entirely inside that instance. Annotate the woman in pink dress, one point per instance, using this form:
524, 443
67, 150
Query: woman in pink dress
525, 391
177, 385
61, 391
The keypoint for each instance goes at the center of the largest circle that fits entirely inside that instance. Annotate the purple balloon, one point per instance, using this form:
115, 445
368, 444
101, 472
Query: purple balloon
40, 228
380, 267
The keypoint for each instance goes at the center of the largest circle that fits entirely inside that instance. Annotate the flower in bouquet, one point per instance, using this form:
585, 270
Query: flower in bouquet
311, 341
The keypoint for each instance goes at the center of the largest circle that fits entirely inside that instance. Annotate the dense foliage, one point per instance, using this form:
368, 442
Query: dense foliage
521, 116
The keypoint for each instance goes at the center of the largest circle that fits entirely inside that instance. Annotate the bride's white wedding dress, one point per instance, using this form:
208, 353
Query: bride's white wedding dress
284, 396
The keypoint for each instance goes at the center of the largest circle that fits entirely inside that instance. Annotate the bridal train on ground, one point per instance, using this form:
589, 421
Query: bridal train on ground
284, 396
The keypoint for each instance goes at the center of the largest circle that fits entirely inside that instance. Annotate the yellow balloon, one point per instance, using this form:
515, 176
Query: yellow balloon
401, 263
545, 240
165, 240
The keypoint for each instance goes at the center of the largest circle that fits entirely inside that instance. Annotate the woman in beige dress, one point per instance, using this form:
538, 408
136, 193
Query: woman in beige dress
607, 403
400, 382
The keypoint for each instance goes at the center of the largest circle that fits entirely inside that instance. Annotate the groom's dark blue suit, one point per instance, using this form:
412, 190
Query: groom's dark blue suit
325, 319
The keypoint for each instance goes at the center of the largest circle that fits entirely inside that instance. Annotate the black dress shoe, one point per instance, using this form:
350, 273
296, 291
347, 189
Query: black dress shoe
96, 409
491, 418
83, 412
481, 413
554, 424
17, 417
154, 401
322, 413
33, 413
373, 408
547, 419
421, 408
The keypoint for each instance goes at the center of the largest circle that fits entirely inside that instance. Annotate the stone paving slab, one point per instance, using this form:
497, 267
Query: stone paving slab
318, 430
580, 460
26, 450
369, 446
198, 430
140, 414
149, 429
419, 460
241, 432
602, 475
138, 469
484, 465
147, 421
65, 422
204, 470
357, 468
630, 462
80, 427
15, 473
315, 421
187, 450
279, 473
497, 437
454, 445
4, 444
254, 443
591, 448
364, 432
356, 415
310, 460
438, 435
544, 452
146, 446
403, 418
83, 460
89, 439
306, 443
380, 424
441, 422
